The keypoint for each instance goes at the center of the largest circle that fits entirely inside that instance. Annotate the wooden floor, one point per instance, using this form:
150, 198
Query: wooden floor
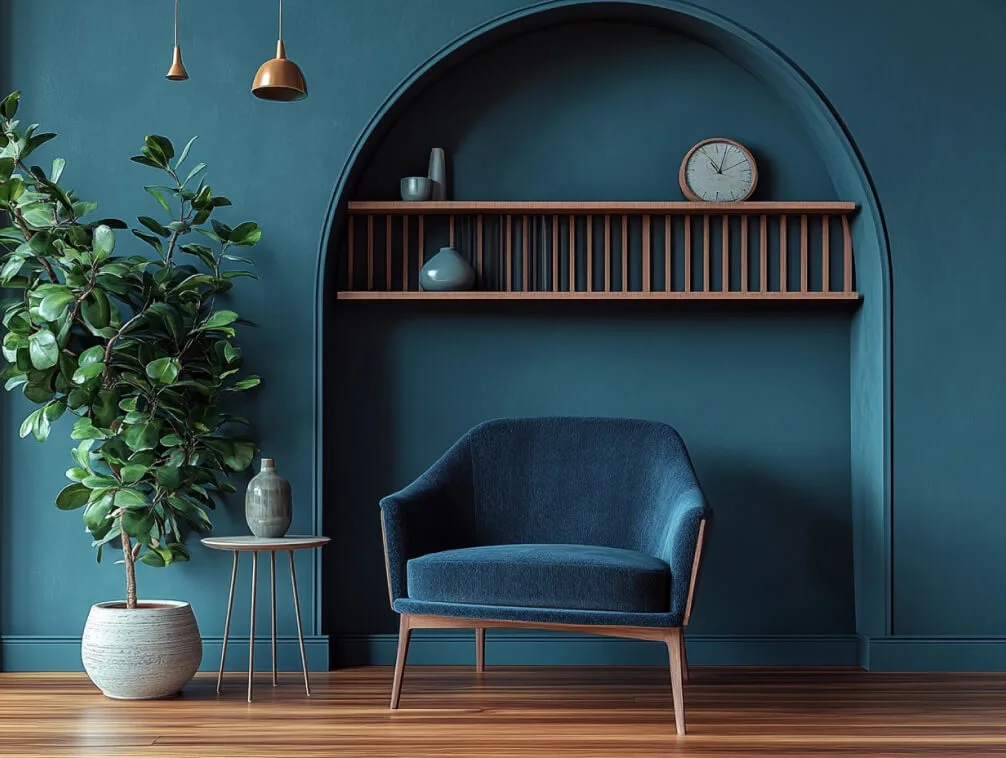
583, 712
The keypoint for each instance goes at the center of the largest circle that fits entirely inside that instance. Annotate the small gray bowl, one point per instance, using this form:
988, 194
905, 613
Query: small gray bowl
416, 188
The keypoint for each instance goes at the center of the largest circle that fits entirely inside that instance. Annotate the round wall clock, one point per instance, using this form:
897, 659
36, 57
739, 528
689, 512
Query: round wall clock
718, 170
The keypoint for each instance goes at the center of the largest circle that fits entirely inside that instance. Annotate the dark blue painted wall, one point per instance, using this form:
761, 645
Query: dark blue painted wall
911, 86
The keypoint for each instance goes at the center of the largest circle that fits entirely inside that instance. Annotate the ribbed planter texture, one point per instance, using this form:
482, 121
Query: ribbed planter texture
148, 652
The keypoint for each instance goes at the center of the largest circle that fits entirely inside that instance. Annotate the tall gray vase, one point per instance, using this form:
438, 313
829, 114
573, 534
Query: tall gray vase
438, 174
268, 504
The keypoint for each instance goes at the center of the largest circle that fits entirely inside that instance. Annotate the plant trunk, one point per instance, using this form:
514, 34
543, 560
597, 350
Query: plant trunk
127, 555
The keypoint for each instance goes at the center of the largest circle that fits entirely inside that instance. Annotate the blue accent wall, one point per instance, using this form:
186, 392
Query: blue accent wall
767, 399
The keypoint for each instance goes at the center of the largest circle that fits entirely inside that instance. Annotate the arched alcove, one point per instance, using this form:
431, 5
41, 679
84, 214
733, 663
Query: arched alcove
553, 69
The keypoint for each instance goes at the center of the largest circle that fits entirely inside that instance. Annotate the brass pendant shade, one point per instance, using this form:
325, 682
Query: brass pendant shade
280, 79
177, 72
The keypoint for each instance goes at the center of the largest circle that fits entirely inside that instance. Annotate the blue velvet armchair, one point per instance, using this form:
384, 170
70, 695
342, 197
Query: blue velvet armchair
579, 524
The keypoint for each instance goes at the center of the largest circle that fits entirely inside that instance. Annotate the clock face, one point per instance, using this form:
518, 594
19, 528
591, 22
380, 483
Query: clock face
718, 170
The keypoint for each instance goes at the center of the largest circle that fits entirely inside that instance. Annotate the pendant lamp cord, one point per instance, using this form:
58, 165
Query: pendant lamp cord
280, 19
176, 23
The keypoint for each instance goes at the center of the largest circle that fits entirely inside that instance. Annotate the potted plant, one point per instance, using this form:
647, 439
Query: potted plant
136, 347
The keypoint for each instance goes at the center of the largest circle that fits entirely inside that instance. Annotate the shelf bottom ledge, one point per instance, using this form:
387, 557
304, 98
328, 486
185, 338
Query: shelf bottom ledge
689, 296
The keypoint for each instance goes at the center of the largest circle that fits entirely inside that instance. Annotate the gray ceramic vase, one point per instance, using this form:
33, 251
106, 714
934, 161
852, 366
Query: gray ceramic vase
447, 271
438, 174
268, 505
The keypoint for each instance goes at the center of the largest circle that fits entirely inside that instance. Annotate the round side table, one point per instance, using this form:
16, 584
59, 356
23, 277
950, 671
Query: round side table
256, 545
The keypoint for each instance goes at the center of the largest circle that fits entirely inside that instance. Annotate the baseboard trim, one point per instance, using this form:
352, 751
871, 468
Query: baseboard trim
929, 653
510, 648
62, 653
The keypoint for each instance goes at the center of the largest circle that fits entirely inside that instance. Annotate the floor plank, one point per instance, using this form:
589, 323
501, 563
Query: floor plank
509, 712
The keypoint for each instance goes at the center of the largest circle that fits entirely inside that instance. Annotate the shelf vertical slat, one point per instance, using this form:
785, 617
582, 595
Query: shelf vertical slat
744, 254
422, 242
452, 230
478, 249
846, 255
825, 254
555, 254
387, 253
705, 253
607, 253
804, 255
783, 255
405, 253
688, 253
725, 254
509, 253
350, 252
572, 254
763, 256
625, 254
668, 282
370, 252
523, 266
590, 253
647, 262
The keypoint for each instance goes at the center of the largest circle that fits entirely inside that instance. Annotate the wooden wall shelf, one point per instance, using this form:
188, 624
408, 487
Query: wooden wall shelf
748, 251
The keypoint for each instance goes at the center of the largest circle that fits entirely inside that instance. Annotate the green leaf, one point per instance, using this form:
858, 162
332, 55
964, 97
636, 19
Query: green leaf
171, 440
58, 165
86, 373
83, 207
28, 425
54, 410
219, 319
145, 161
54, 306
195, 170
164, 370
153, 558
129, 498
185, 153
84, 429
169, 477
157, 195
6, 168
242, 456
106, 407
154, 225
94, 354
96, 516
72, 496
98, 482
132, 473
160, 145
76, 474
143, 436
97, 310
138, 524
222, 230
8, 108
42, 427
246, 235
43, 350
104, 241
248, 383
151, 240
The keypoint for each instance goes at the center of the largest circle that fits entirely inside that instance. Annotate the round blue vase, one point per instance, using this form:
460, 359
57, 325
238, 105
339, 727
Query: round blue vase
447, 271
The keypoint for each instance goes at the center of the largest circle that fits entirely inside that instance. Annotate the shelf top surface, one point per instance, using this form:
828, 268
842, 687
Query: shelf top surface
601, 207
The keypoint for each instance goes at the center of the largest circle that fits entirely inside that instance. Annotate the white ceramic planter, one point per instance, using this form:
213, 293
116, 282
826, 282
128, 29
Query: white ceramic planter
148, 652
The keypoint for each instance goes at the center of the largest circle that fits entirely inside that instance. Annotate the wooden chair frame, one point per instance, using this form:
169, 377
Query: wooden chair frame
673, 637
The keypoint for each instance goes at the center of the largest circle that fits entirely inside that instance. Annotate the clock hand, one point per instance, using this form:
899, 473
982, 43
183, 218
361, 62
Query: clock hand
722, 159
738, 163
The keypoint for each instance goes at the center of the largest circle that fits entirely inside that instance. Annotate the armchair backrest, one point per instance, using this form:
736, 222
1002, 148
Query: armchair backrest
594, 481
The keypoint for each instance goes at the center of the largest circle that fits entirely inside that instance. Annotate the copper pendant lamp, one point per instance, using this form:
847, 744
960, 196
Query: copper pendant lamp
177, 72
280, 78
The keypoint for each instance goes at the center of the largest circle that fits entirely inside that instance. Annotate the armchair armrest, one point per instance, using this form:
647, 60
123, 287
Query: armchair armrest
434, 513
686, 515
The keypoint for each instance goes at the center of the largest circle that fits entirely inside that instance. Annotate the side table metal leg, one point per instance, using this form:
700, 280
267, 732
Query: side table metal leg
227, 623
251, 632
272, 579
300, 631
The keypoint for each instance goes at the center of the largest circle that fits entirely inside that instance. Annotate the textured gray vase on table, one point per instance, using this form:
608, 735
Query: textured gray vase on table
268, 504
438, 174
447, 271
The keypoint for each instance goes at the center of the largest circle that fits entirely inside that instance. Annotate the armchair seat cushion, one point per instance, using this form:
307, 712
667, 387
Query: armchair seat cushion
577, 577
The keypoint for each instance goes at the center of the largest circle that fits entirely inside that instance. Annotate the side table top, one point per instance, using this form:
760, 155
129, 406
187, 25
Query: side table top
266, 544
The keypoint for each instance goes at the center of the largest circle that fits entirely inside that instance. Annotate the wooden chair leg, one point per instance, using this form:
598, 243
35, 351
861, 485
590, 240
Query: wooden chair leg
480, 649
404, 632
684, 658
674, 648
